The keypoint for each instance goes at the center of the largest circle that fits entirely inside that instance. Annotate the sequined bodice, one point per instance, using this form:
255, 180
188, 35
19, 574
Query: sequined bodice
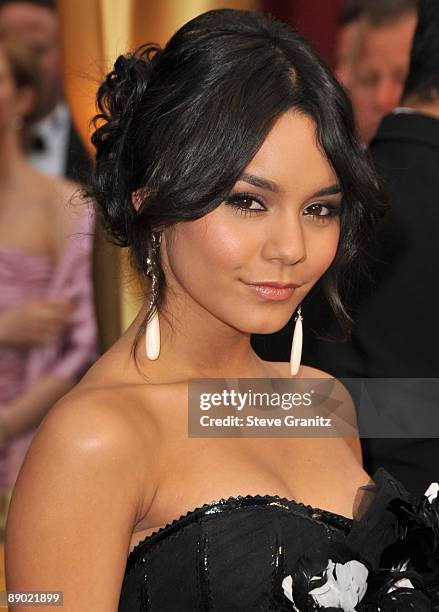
234, 554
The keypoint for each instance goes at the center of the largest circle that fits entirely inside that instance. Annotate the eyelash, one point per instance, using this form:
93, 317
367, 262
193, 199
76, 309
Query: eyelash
234, 199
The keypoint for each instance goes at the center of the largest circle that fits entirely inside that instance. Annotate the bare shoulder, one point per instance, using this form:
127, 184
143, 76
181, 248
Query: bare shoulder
94, 410
282, 368
99, 420
338, 391
310, 372
82, 482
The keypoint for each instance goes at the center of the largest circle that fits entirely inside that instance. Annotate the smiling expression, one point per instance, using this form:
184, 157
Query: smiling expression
279, 224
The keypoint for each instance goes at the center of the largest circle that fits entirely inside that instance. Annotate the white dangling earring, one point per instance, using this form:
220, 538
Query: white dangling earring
152, 337
152, 332
296, 345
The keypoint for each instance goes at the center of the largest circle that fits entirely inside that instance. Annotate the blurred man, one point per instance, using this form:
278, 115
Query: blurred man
395, 300
379, 63
57, 149
346, 37
395, 332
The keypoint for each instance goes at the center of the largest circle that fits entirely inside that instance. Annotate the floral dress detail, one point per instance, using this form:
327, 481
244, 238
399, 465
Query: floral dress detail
407, 578
270, 554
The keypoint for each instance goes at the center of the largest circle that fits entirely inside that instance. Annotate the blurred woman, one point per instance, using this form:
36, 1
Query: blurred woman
47, 329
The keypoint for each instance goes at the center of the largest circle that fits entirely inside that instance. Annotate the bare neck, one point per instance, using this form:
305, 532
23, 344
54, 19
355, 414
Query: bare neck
201, 354
424, 107
13, 162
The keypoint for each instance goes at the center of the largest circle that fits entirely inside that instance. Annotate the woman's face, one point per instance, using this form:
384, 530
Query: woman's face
280, 225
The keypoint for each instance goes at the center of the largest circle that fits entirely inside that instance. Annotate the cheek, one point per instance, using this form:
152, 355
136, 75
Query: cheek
321, 248
207, 250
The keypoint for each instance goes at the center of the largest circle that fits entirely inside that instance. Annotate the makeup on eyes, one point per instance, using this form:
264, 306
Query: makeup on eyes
237, 198
263, 183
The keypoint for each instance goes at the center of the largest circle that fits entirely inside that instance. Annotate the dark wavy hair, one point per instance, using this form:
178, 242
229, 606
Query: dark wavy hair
178, 126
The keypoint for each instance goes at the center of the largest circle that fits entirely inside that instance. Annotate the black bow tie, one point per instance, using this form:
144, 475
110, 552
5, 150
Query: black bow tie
38, 144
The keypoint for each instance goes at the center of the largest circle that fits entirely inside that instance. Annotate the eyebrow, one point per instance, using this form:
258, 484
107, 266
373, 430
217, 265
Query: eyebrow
258, 181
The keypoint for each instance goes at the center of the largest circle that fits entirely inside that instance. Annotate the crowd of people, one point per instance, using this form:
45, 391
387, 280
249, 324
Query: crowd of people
372, 58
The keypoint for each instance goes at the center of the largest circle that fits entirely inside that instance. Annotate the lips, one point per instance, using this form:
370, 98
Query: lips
273, 291
275, 284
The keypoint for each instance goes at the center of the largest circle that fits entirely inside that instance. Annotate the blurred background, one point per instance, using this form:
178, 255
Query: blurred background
66, 294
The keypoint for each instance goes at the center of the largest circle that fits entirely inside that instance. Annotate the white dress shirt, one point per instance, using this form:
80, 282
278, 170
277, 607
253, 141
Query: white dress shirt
54, 132
403, 110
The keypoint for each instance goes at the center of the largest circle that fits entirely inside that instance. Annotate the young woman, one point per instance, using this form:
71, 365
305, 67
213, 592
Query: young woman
227, 163
47, 326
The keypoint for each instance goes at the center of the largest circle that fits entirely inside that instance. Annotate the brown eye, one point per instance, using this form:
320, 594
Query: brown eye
245, 203
249, 203
322, 210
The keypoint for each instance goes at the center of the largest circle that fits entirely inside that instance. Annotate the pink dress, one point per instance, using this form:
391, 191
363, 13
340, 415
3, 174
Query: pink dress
24, 276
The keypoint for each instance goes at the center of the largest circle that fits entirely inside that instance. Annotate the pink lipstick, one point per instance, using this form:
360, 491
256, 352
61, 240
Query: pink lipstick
271, 290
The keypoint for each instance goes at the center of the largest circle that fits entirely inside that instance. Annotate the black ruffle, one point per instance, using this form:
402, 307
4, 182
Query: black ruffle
234, 554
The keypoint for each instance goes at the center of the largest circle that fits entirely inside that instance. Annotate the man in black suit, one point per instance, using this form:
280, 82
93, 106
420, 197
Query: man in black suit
396, 303
57, 149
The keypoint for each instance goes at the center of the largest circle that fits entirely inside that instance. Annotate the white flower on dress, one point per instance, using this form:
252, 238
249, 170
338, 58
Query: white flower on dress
401, 566
432, 491
403, 583
287, 585
345, 586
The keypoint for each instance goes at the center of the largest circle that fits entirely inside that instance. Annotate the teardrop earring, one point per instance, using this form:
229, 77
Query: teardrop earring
152, 332
296, 345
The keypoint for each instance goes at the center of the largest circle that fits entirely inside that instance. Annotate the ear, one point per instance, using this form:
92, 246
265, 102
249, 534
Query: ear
138, 196
26, 101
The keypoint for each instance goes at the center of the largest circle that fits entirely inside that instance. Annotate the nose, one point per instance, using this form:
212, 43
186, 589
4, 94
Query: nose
285, 241
387, 95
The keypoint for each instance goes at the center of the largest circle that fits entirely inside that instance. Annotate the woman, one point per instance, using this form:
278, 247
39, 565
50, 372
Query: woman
47, 329
227, 162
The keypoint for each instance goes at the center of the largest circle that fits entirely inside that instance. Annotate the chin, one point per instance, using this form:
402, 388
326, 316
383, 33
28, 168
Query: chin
267, 327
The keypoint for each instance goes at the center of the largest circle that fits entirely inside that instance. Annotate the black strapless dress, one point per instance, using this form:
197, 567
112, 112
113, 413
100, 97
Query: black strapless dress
265, 553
